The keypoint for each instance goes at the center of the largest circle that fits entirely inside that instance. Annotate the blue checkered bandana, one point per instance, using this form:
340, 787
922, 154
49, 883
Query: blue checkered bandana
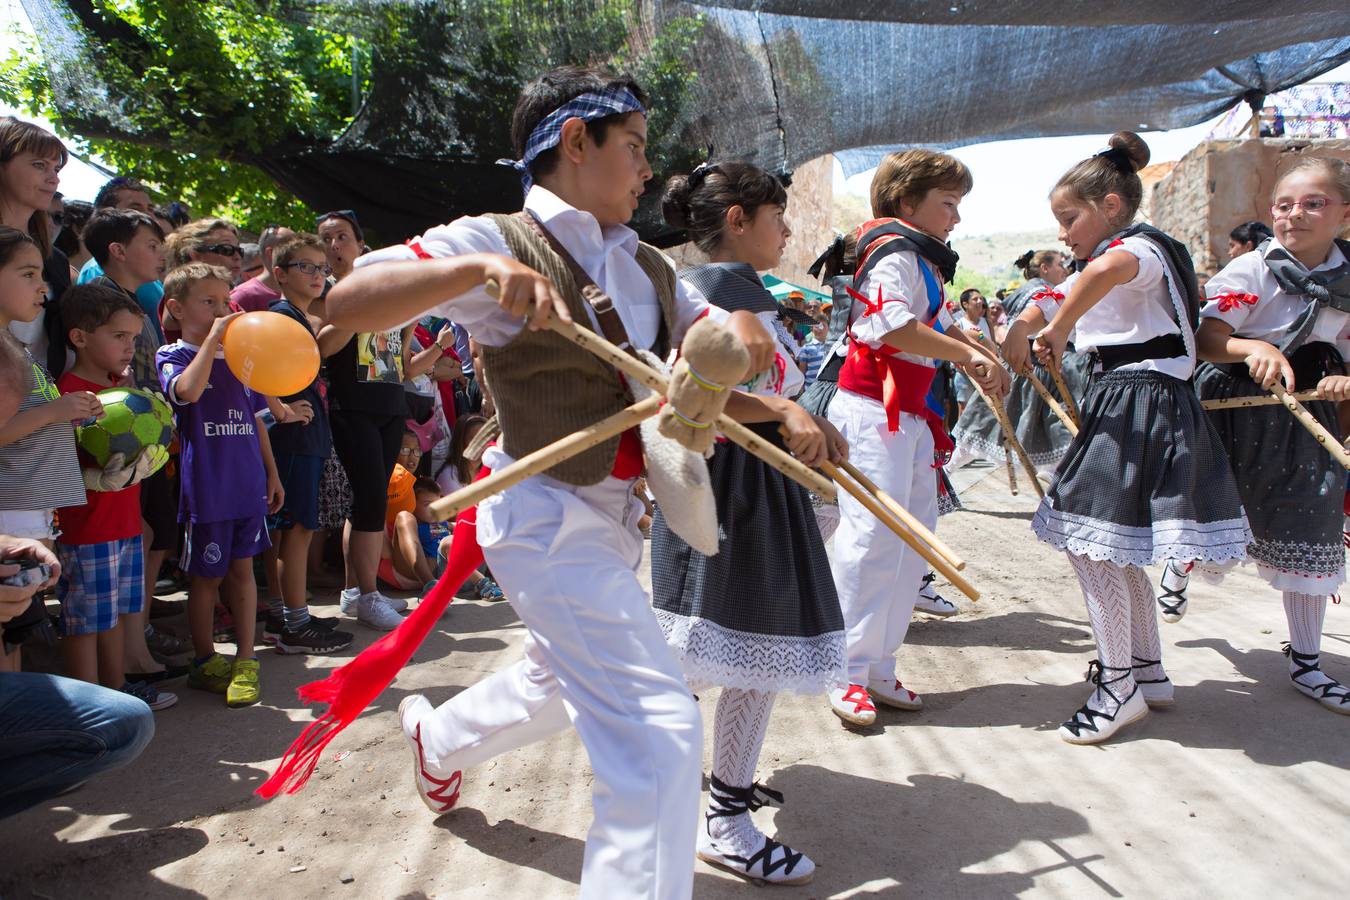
587, 107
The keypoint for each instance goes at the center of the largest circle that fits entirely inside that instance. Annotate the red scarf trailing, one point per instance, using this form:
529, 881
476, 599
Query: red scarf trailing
350, 689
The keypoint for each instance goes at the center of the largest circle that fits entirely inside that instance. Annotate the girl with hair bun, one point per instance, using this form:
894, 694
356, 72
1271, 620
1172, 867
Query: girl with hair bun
1146, 480
1282, 313
762, 615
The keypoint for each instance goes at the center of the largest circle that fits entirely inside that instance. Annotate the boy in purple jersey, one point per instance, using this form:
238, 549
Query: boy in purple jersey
229, 478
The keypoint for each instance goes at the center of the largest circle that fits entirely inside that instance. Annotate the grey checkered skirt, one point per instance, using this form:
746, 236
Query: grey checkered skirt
1145, 480
1292, 488
762, 614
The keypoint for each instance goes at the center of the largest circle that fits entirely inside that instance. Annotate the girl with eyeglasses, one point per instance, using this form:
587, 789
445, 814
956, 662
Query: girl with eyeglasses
1282, 314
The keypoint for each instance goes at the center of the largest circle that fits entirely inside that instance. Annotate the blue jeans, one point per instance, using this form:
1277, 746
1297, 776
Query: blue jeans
57, 732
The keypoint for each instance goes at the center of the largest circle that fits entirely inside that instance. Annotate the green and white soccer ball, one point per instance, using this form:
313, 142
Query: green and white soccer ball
132, 420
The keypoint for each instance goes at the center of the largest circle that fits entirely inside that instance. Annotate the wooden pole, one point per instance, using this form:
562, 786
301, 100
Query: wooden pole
545, 458
933, 558
1070, 404
904, 515
1002, 415
1050, 401
1316, 428
635, 368
1248, 402
1012, 474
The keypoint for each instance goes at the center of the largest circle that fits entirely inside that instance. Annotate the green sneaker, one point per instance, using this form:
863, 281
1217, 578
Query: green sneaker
243, 689
212, 675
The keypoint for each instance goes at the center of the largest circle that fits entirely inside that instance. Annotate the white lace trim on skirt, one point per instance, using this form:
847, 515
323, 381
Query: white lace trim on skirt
713, 655
1127, 545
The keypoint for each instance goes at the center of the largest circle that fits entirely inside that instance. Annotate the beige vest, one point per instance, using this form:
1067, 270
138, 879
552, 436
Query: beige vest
544, 386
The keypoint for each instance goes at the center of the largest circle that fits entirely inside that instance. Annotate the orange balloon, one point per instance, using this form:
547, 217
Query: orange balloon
271, 353
399, 496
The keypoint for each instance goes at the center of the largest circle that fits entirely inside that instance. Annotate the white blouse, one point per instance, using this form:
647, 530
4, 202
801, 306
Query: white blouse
1246, 296
904, 298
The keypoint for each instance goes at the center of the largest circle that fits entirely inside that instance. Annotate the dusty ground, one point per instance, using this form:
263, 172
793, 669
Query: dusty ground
1240, 790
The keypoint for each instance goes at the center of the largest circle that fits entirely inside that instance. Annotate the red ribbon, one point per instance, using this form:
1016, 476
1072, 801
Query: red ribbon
1234, 301
350, 689
1047, 294
890, 390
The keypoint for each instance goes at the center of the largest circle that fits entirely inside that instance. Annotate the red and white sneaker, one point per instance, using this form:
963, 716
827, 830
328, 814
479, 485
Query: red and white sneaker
853, 705
440, 793
893, 693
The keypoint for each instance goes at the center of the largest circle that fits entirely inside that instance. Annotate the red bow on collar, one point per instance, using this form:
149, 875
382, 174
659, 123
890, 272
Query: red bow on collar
1047, 294
1234, 301
1116, 243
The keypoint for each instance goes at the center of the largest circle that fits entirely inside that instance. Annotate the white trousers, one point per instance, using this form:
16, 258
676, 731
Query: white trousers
595, 657
877, 575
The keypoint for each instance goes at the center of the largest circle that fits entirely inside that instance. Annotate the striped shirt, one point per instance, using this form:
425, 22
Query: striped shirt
813, 354
40, 471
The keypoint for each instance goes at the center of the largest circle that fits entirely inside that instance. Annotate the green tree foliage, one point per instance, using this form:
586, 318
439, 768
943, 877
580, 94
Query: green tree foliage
187, 94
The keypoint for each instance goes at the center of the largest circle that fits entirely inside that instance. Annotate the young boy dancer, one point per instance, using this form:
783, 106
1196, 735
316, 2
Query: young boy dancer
566, 545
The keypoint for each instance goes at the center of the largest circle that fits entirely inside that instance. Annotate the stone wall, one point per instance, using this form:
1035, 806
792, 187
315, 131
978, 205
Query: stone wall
810, 205
1221, 184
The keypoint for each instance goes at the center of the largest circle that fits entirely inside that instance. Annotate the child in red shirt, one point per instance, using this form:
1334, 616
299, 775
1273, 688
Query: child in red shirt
102, 576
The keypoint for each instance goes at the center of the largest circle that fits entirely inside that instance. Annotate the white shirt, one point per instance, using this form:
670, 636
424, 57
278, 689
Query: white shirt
606, 254
1246, 296
1138, 310
784, 378
904, 297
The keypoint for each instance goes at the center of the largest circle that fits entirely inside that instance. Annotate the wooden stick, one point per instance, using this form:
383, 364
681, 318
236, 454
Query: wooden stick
904, 515
1012, 474
932, 557
633, 367
1316, 428
1002, 415
1050, 401
1070, 404
545, 458
1248, 402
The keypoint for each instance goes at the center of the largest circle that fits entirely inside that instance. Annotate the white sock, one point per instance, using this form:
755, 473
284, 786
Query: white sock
739, 725
1106, 593
1145, 644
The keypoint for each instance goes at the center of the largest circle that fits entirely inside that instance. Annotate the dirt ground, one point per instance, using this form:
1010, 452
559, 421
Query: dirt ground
1240, 790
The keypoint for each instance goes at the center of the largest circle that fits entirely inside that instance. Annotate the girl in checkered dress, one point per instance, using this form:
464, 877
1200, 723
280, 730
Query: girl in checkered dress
1133, 304
1282, 313
761, 616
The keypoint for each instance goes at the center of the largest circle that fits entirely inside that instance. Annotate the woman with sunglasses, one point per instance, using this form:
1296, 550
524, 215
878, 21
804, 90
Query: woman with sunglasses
214, 241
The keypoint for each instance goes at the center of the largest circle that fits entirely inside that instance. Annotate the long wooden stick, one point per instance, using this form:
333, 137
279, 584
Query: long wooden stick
734, 431
1002, 415
1050, 401
931, 556
1070, 404
1248, 402
1012, 473
545, 458
1316, 428
904, 515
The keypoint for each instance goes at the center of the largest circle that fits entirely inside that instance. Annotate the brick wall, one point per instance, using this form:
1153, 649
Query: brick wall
1221, 184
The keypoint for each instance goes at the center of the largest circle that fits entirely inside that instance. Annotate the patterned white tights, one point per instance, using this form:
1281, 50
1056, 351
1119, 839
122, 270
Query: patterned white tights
739, 725
1109, 598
